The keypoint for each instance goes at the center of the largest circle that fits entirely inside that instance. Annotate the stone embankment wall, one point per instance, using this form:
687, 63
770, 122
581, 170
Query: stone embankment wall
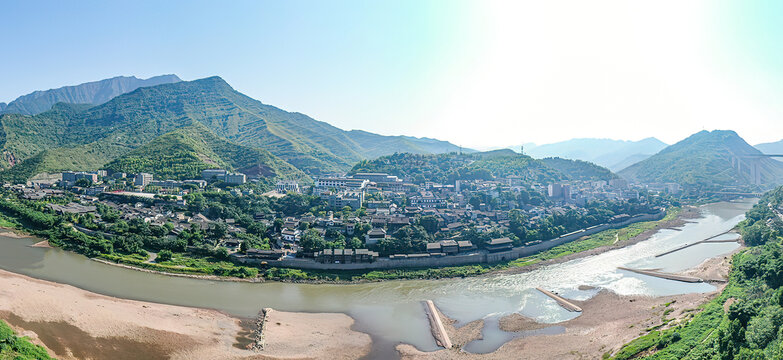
477, 257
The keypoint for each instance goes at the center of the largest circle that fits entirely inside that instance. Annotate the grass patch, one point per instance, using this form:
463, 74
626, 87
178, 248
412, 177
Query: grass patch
19, 348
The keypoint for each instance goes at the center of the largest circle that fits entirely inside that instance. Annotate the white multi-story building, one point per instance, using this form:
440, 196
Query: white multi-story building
284, 187
142, 179
235, 178
213, 174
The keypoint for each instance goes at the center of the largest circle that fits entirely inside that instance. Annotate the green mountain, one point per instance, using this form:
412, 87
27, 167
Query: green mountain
105, 132
708, 159
3, 106
578, 169
184, 153
446, 168
94, 93
374, 145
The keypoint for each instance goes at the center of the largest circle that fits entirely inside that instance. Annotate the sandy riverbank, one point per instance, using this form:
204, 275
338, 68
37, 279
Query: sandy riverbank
77, 324
608, 321
687, 212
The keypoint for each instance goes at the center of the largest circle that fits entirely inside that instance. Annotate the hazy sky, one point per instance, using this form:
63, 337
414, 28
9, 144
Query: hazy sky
477, 73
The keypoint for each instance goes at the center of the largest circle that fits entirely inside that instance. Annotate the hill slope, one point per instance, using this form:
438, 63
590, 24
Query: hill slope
578, 169
705, 159
446, 168
184, 153
134, 119
94, 93
613, 154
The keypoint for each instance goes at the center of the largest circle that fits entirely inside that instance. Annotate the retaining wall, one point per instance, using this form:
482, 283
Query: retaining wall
477, 257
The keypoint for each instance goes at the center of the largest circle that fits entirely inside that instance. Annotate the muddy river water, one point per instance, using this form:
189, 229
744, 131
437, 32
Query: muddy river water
391, 312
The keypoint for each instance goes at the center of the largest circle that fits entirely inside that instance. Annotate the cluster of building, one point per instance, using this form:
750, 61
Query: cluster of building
101, 180
389, 204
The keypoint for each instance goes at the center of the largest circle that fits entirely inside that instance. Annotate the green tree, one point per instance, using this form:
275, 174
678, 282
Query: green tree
164, 255
431, 223
355, 243
311, 241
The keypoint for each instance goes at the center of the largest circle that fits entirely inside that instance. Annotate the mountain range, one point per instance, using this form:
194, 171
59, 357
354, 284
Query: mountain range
775, 148
86, 137
708, 159
612, 154
93, 93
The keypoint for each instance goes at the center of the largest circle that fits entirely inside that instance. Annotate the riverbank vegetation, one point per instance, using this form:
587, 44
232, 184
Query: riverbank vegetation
193, 252
13, 347
746, 320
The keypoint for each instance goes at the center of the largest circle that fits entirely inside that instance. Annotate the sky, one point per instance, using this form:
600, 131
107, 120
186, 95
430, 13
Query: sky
481, 74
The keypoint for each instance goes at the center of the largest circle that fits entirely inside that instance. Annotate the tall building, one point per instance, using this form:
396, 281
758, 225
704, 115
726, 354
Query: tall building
69, 178
142, 179
559, 191
213, 174
235, 178
284, 187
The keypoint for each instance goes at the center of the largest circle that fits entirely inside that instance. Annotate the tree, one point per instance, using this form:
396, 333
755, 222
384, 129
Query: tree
355, 243
218, 230
221, 253
278, 224
256, 228
243, 247
312, 241
164, 255
83, 182
430, 223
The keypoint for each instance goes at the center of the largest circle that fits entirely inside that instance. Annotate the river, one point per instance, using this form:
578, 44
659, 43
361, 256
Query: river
391, 311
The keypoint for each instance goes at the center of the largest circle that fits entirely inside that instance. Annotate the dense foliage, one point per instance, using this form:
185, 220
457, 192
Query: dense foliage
752, 328
184, 153
446, 168
578, 169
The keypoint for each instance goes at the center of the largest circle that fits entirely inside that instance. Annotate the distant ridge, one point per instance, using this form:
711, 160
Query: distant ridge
705, 159
612, 154
772, 148
94, 93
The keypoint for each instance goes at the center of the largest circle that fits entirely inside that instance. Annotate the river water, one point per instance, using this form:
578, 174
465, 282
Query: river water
391, 311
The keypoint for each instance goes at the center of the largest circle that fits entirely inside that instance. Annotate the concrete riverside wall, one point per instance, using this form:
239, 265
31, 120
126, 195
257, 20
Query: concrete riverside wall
477, 257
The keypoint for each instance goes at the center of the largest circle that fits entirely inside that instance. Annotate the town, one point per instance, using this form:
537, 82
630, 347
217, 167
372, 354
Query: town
356, 221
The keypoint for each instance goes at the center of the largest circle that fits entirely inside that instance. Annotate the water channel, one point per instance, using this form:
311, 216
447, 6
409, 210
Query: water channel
391, 312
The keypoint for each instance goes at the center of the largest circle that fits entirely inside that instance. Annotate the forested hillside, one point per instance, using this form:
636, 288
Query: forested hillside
447, 168
132, 120
184, 153
746, 320
705, 159
578, 169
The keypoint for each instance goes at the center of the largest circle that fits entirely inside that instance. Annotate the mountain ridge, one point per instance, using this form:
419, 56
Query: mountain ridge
136, 118
609, 153
706, 159
94, 93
